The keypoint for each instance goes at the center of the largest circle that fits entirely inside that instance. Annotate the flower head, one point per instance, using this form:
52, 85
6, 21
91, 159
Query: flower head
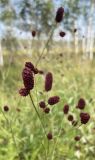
66, 109
24, 92
81, 103
77, 138
62, 34
33, 33
41, 72
6, 108
49, 136
75, 30
28, 78
84, 117
70, 118
48, 81
47, 110
36, 71
59, 15
31, 67
53, 100
42, 104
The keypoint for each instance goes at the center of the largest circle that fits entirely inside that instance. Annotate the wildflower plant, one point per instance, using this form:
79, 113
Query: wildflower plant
44, 107
46, 104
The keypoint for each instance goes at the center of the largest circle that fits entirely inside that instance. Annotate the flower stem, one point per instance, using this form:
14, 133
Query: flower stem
37, 114
45, 46
13, 137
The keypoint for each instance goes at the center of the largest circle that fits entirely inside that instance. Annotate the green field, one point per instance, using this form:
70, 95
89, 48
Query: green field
21, 133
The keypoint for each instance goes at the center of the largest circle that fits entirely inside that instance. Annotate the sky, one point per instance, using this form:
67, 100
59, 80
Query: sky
14, 3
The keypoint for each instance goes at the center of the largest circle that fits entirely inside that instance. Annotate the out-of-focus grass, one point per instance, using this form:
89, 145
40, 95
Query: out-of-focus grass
73, 78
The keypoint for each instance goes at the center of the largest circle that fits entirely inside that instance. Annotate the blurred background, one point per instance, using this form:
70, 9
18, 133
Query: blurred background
19, 18
70, 58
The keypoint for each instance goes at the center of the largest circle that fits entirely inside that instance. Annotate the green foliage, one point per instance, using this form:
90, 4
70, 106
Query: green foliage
78, 80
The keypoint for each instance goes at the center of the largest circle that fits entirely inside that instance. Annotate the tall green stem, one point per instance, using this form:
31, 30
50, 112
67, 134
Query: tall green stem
13, 137
45, 46
37, 114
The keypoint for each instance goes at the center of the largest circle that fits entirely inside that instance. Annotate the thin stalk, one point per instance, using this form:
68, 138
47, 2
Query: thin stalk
79, 126
13, 137
45, 151
45, 46
55, 144
37, 114
39, 118
48, 148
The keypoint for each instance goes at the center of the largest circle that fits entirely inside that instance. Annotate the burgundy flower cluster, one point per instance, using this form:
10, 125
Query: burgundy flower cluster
28, 74
51, 100
6, 108
33, 33
48, 81
84, 117
59, 15
62, 34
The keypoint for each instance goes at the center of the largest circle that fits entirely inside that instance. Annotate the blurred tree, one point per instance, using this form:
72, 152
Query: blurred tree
79, 11
36, 15
28, 15
71, 17
90, 31
7, 16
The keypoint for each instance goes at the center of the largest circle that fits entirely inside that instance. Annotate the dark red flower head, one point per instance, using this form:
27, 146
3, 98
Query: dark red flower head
28, 78
36, 71
42, 104
70, 117
6, 108
41, 72
62, 34
49, 136
66, 109
77, 138
33, 33
48, 81
31, 67
81, 103
53, 100
84, 117
24, 92
59, 15
47, 110
75, 30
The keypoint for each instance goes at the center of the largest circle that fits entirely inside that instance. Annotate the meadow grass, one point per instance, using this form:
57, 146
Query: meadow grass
73, 78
